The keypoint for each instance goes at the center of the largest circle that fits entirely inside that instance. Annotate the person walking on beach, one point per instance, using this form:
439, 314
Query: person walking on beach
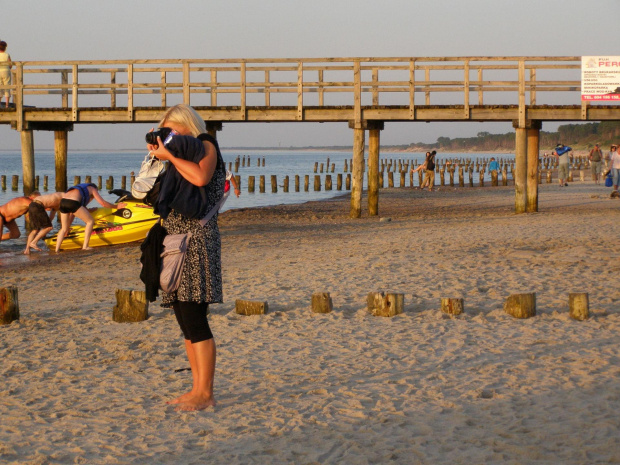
40, 222
596, 158
9, 212
73, 203
561, 153
429, 170
192, 186
5, 70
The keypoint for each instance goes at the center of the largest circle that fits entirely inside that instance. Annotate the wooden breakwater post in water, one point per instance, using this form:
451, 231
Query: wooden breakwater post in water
317, 182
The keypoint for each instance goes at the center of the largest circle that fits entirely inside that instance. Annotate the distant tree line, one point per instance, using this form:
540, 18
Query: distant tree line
578, 136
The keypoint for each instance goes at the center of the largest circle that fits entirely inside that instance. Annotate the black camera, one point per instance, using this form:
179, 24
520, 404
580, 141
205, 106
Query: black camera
163, 133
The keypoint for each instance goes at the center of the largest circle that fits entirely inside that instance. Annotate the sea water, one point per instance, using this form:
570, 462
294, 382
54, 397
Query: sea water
280, 163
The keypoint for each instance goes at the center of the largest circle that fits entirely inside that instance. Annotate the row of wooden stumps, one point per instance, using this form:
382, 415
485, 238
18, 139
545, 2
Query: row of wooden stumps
132, 306
109, 182
241, 163
392, 304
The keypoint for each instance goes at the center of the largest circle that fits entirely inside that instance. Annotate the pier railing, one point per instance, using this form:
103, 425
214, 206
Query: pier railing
317, 89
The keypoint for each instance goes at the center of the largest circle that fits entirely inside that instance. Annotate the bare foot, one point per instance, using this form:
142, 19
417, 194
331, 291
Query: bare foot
196, 403
87, 248
34, 246
27, 251
179, 400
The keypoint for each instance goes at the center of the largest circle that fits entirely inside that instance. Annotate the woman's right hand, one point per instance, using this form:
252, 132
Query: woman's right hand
151, 147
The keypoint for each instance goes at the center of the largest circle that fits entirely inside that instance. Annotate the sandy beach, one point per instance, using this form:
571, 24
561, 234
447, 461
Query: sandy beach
345, 387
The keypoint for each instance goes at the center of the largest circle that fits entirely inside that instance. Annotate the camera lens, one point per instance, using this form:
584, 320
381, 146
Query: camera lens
151, 137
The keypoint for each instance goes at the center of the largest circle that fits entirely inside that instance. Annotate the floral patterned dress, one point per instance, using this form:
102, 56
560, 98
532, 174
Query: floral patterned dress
202, 273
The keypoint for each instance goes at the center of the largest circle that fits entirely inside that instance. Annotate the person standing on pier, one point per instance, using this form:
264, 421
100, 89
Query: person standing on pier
5, 70
192, 187
561, 153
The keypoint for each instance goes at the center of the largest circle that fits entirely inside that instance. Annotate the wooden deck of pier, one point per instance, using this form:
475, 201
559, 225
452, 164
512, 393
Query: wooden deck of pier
365, 93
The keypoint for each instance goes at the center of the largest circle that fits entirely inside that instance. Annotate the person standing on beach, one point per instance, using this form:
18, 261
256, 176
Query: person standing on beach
73, 203
493, 165
614, 166
612, 149
596, 157
561, 153
40, 222
9, 212
429, 170
192, 186
5, 70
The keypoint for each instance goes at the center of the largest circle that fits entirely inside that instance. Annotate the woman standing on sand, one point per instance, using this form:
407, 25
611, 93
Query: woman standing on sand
193, 185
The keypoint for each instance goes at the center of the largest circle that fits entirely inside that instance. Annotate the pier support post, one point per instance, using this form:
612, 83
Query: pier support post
520, 170
27, 161
527, 146
533, 149
374, 130
358, 167
213, 127
60, 160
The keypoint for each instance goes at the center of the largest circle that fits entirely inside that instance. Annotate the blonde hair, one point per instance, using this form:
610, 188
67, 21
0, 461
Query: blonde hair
186, 116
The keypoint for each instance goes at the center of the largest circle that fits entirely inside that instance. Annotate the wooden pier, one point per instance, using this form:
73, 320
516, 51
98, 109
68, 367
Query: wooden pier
365, 93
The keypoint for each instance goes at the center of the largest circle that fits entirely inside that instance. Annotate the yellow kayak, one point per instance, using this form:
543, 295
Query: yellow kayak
112, 226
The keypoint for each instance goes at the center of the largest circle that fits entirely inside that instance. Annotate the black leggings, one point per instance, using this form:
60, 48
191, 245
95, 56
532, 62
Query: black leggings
192, 318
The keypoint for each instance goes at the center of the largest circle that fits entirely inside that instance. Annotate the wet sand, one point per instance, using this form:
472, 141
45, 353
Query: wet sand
344, 387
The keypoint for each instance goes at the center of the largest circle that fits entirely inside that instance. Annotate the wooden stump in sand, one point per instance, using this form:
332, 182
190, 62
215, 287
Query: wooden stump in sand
322, 302
521, 305
452, 306
250, 307
380, 304
579, 305
131, 306
9, 305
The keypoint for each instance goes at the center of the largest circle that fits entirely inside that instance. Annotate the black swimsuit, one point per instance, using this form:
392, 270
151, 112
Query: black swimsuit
69, 206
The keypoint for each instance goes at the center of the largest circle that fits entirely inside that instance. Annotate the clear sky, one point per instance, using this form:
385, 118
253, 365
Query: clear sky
147, 29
